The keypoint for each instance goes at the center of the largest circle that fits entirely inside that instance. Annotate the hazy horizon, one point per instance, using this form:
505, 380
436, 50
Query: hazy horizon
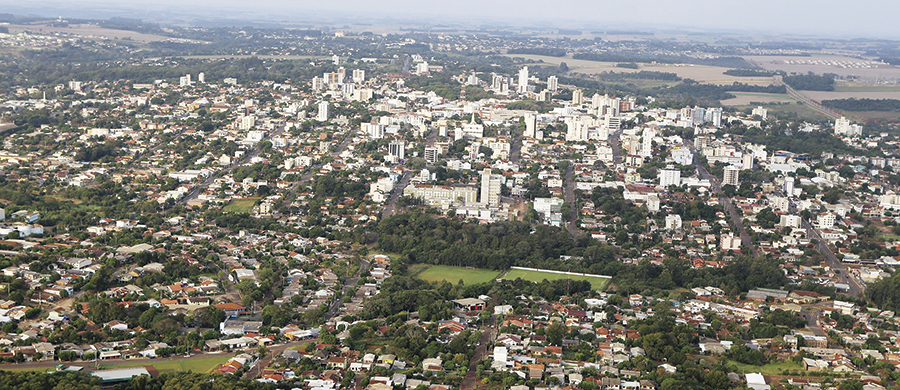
824, 18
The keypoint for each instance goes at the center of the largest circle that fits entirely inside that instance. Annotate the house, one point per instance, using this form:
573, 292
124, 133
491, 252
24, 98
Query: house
469, 304
231, 309
432, 364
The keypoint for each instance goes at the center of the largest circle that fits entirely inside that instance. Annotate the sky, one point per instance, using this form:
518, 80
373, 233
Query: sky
826, 18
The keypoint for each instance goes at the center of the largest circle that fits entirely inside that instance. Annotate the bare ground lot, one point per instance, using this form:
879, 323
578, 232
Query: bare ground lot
88, 31
700, 73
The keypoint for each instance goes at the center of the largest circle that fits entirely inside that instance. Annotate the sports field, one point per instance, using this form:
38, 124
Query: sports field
438, 273
199, 365
240, 206
597, 283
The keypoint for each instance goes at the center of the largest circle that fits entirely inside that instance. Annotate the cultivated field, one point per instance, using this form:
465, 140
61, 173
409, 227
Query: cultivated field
597, 283
827, 63
828, 95
88, 31
746, 98
438, 273
699, 73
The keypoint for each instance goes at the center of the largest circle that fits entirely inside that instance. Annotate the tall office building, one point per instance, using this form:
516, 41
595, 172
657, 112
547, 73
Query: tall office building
553, 83
577, 97
490, 188
530, 125
322, 116
730, 176
523, 80
669, 176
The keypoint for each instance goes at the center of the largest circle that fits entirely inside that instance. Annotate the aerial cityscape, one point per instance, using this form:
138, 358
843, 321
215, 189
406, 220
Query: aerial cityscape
227, 200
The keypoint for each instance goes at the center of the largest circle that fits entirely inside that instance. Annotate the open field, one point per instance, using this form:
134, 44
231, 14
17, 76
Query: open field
239, 206
537, 276
88, 31
844, 86
201, 365
700, 73
829, 95
745, 98
437, 273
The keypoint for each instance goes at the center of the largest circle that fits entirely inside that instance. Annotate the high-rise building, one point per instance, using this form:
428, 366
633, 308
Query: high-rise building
185, 81
318, 83
761, 111
322, 115
397, 149
247, 122
373, 130
523, 80
669, 176
359, 75
577, 97
673, 222
530, 124
490, 188
201, 77
789, 186
843, 126
747, 161
730, 176
553, 83
431, 154
714, 116
699, 115
499, 84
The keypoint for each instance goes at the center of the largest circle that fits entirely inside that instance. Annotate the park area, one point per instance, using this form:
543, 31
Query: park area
439, 273
597, 282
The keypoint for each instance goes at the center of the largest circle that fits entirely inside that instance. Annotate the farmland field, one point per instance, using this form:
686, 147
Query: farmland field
745, 98
699, 73
88, 31
537, 276
437, 273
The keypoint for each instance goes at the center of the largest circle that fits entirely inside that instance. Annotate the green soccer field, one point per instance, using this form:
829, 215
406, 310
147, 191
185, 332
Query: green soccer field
598, 283
438, 273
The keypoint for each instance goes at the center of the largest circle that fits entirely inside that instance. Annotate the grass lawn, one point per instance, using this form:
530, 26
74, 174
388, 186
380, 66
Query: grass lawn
240, 206
766, 369
537, 276
199, 365
437, 273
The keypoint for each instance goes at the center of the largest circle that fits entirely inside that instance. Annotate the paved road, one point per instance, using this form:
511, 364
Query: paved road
614, 144
195, 192
812, 320
487, 336
807, 101
349, 285
391, 206
569, 198
311, 171
725, 201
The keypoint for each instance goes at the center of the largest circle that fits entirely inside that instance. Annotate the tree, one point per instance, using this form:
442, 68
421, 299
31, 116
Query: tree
555, 333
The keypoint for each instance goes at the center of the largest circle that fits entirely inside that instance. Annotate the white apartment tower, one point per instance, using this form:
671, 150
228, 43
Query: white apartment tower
842, 126
322, 116
730, 176
747, 160
397, 149
577, 97
490, 188
359, 75
530, 125
789, 186
553, 83
669, 176
523, 80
